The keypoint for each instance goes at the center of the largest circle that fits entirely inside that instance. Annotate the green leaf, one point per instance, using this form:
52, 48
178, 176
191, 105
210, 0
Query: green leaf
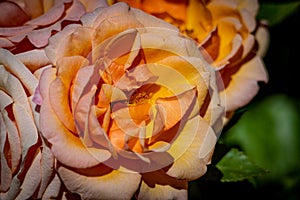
269, 133
235, 166
275, 13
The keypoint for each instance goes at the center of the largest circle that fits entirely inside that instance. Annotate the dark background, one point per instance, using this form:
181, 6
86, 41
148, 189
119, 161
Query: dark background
282, 63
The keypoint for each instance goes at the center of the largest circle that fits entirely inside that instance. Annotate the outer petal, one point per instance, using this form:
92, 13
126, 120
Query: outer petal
18, 69
113, 185
62, 140
193, 147
34, 59
158, 185
243, 86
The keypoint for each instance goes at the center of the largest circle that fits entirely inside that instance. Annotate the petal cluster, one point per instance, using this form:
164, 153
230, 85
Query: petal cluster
26, 162
229, 33
129, 106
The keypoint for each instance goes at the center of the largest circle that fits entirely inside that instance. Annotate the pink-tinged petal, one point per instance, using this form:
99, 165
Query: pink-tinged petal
5, 43
14, 88
13, 140
6, 174
113, 185
61, 139
158, 185
49, 17
26, 127
243, 86
12, 15
262, 36
53, 189
88, 126
91, 5
186, 148
125, 43
13, 191
136, 78
18, 69
39, 38
33, 59
114, 19
46, 165
72, 40
32, 179
16, 30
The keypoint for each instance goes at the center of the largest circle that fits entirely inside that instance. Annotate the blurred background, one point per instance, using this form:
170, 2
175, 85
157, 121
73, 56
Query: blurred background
268, 129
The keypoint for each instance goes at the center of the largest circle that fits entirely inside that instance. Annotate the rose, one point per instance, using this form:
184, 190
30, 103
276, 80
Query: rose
129, 107
229, 33
27, 25
26, 162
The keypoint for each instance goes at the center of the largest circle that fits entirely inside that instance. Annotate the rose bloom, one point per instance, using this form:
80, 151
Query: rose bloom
28, 24
26, 162
228, 31
130, 107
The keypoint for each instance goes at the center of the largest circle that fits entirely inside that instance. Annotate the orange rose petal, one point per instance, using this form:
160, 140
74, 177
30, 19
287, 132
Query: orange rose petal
176, 9
61, 139
82, 110
59, 100
199, 19
243, 85
159, 185
230, 41
151, 21
114, 185
191, 149
83, 76
176, 107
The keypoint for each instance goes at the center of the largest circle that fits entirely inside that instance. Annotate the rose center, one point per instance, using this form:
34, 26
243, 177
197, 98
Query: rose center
139, 98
